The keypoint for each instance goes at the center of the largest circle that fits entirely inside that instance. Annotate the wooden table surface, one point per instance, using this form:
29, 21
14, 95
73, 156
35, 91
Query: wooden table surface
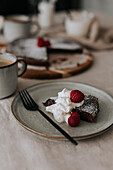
23, 150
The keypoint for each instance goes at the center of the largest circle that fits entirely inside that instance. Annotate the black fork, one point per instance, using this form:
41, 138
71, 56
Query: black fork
31, 105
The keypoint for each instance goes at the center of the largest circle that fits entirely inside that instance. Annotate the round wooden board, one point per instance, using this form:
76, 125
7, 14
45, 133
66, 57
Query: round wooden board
60, 73
55, 73
2, 46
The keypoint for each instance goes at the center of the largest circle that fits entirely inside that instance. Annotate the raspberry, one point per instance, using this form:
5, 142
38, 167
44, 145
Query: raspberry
47, 43
76, 96
40, 42
74, 114
74, 119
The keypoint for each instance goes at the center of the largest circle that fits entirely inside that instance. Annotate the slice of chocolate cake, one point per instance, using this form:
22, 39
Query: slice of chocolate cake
89, 109
27, 49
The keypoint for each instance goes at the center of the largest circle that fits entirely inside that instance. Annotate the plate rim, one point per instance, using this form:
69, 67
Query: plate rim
61, 137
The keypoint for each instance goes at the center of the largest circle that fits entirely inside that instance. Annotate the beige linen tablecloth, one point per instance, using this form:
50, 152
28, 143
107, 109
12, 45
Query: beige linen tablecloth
23, 150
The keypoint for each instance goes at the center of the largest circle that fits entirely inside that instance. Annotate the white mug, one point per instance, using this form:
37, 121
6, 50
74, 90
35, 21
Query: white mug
9, 73
16, 26
78, 24
45, 17
1, 22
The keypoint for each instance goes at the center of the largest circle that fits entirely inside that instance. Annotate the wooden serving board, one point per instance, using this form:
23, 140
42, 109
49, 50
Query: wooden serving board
56, 72
61, 66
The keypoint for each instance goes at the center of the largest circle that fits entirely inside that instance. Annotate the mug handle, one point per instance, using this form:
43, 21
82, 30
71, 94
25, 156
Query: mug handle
23, 68
37, 28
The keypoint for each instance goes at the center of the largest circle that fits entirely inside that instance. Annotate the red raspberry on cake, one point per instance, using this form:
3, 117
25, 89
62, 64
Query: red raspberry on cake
74, 119
47, 43
43, 43
76, 96
40, 42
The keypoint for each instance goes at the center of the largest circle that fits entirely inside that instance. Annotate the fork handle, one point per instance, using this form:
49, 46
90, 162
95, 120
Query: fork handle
57, 127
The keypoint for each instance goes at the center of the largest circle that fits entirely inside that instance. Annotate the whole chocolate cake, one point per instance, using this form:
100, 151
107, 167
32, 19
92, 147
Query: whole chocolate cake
27, 48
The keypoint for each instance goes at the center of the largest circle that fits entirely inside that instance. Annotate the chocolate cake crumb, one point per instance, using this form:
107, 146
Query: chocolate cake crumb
78, 64
54, 61
63, 59
49, 102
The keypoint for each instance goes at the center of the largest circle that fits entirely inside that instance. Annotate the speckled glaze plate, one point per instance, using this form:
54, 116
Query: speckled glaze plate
33, 121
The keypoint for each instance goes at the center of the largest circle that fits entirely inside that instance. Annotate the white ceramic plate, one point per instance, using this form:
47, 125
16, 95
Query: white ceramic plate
33, 121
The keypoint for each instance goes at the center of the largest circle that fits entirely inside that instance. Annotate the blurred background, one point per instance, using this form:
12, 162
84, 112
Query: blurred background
30, 6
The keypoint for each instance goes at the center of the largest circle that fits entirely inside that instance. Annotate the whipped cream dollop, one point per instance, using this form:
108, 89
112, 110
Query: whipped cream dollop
63, 106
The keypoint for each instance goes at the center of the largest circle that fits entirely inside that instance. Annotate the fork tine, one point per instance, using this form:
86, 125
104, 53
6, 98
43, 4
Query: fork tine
31, 99
23, 99
29, 103
27, 100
